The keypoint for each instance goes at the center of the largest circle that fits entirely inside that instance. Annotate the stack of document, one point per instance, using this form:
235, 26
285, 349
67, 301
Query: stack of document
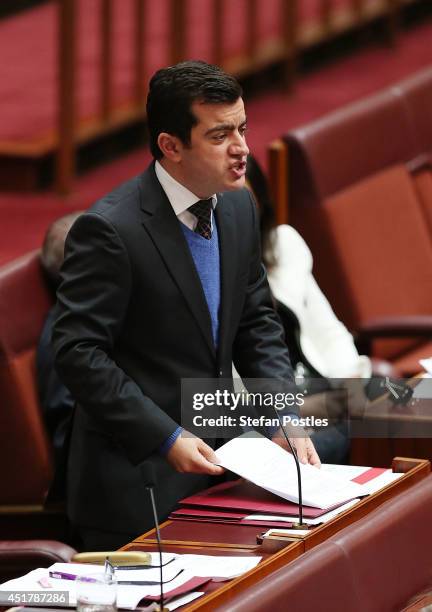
182, 575
269, 497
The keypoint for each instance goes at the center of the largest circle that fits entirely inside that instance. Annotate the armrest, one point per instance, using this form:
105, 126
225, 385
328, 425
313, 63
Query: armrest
18, 557
404, 326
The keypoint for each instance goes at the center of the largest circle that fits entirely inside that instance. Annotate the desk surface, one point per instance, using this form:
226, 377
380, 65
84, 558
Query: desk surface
386, 430
219, 539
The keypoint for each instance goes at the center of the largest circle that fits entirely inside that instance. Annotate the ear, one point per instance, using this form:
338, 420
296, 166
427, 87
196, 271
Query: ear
170, 146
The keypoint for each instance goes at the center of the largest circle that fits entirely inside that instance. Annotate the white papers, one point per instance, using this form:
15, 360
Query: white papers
271, 467
426, 364
352, 471
423, 389
381, 481
348, 472
128, 596
218, 567
147, 574
288, 532
182, 600
324, 518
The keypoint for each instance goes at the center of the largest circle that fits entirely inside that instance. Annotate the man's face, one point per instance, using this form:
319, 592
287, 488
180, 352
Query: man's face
215, 160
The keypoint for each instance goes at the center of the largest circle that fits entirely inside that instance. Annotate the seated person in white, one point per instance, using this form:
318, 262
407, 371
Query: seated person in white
321, 348
324, 340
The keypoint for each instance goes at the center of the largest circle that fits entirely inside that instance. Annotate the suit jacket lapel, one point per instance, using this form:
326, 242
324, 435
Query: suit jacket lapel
227, 240
163, 226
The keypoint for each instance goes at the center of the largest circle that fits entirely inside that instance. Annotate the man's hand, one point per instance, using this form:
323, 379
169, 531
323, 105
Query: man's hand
191, 455
303, 445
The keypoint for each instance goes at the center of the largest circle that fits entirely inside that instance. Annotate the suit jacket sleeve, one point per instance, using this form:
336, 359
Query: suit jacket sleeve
259, 349
93, 300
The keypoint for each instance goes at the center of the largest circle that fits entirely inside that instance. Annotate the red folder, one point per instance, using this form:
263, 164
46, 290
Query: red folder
233, 501
204, 515
244, 496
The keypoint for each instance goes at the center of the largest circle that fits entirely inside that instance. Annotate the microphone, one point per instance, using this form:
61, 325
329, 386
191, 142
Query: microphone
300, 524
148, 474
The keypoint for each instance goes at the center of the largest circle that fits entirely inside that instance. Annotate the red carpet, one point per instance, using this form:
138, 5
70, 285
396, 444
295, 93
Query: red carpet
23, 219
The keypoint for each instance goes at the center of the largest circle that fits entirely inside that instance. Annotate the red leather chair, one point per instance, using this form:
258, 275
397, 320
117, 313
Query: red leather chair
25, 451
353, 199
24, 447
20, 557
417, 94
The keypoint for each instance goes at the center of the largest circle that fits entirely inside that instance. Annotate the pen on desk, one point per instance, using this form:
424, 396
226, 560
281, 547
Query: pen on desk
66, 576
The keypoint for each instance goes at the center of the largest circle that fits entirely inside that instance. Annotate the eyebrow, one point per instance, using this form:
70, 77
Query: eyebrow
225, 127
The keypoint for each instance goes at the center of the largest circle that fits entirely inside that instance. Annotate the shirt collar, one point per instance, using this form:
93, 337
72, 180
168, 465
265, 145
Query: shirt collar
179, 196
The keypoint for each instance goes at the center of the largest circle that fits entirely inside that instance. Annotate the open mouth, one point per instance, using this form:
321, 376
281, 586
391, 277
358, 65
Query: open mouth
238, 169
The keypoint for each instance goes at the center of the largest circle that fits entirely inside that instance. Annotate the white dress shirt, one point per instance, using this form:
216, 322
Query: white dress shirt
180, 197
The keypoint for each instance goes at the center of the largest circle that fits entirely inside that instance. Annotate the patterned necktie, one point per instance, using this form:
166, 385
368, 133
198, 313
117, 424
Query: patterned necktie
202, 211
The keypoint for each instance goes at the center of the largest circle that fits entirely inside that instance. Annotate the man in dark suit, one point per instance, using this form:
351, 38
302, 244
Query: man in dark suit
162, 281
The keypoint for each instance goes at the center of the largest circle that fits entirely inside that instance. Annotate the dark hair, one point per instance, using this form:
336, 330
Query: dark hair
52, 253
258, 184
173, 90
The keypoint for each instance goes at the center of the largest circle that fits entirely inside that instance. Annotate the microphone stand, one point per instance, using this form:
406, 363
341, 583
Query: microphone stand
150, 478
300, 524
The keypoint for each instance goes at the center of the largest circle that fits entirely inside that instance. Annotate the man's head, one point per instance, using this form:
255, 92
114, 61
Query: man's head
52, 253
197, 124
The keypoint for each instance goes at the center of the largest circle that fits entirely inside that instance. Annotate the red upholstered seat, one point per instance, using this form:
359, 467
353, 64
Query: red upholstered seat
19, 557
383, 249
366, 218
25, 453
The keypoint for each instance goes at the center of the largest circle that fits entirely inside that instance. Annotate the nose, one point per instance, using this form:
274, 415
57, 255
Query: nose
239, 146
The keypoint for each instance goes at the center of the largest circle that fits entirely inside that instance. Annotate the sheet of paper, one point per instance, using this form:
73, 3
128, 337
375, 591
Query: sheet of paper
148, 574
348, 472
271, 467
175, 603
426, 364
127, 596
218, 567
288, 532
423, 389
352, 471
324, 518
380, 481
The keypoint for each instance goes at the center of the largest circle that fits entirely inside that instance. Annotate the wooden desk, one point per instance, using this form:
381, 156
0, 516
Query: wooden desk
219, 539
386, 430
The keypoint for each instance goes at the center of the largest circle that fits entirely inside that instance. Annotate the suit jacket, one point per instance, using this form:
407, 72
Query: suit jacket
133, 322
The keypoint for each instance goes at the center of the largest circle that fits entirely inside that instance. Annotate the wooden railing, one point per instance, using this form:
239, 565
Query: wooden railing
294, 36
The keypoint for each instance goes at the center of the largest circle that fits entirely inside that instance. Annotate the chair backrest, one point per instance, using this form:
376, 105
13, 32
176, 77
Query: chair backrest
25, 453
417, 95
360, 210
18, 557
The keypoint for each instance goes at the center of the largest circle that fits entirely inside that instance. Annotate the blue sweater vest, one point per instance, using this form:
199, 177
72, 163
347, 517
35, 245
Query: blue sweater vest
205, 254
